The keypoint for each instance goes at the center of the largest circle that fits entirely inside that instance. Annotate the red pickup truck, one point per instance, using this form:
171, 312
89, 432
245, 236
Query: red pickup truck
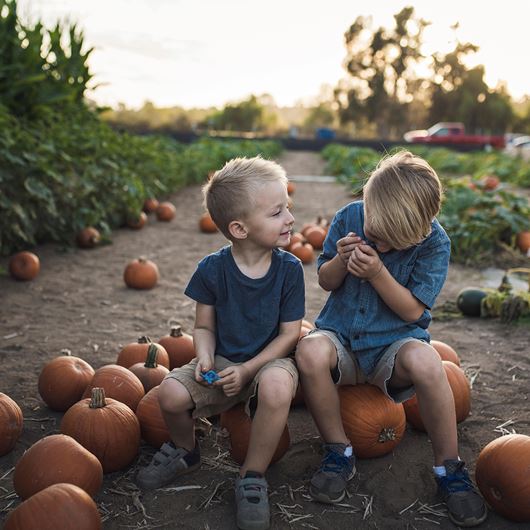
449, 134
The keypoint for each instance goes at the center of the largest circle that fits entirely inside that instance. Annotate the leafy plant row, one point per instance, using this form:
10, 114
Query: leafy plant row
477, 219
66, 170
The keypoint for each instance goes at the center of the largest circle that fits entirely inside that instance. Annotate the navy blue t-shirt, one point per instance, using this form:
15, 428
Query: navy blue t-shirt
248, 311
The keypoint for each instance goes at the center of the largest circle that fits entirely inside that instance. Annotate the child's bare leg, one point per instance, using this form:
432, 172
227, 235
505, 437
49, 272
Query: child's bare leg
175, 404
275, 393
316, 356
420, 365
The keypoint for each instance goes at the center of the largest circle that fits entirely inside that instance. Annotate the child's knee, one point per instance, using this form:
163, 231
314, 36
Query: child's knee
276, 388
173, 396
422, 362
313, 353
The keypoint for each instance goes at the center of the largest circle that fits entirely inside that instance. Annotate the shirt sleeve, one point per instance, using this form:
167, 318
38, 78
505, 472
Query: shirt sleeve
293, 296
329, 249
430, 271
198, 288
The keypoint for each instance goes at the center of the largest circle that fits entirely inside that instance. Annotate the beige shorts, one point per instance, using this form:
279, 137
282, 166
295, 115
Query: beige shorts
211, 400
348, 371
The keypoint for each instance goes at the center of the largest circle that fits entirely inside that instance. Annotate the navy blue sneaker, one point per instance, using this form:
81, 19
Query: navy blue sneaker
330, 480
464, 504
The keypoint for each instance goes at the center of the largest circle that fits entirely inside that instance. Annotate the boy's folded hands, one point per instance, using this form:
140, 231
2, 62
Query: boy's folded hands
364, 262
346, 245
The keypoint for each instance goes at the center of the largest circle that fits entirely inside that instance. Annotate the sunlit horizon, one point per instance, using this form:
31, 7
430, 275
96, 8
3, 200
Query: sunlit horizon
207, 54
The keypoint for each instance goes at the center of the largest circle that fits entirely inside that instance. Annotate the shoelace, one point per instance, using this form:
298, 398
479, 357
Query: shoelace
456, 482
335, 463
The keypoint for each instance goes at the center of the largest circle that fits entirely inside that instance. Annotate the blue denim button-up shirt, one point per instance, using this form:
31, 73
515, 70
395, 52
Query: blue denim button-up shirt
355, 312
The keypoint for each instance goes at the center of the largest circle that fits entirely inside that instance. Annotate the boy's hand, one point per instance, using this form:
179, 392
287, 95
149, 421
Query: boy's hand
364, 262
203, 365
346, 245
233, 379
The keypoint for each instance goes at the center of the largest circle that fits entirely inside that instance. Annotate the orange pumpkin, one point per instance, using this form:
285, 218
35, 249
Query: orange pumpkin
291, 187
315, 237
150, 205
238, 424
119, 383
446, 352
304, 252
206, 224
11, 423
24, 265
54, 459
63, 380
490, 182
107, 428
136, 352
149, 373
165, 211
373, 423
60, 506
152, 425
89, 237
461, 394
137, 221
179, 346
503, 476
141, 273
523, 241
296, 237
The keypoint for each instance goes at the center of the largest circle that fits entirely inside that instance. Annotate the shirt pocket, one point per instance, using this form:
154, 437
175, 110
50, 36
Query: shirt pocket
400, 273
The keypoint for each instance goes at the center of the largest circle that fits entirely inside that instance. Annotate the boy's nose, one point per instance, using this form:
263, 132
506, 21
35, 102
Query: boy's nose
290, 217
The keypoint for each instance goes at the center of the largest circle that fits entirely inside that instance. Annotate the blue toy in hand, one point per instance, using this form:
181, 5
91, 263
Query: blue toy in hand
211, 376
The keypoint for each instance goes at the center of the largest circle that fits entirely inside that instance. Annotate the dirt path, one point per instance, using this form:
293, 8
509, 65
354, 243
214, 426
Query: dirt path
79, 302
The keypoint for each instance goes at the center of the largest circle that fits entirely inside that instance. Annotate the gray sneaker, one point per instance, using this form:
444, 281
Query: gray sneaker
168, 463
252, 502
330, 480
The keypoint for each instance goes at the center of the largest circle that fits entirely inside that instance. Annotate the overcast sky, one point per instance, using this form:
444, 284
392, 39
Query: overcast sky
201, 53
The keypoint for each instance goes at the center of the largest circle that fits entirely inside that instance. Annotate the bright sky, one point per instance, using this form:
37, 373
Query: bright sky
201, 53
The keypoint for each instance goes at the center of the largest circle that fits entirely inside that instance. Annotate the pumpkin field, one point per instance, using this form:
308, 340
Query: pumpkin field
79, 305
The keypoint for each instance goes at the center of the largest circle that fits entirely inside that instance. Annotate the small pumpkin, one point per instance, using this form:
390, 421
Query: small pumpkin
11, 423
296, 237
165, 211
304, 252
179, 346
373, 423
141, 273
137, 221
291, 187
150, 205
119, 383
150, 373
315, 237
238, 424
63, 380
60, 506
136, 352
446, 352
152, 425
490, 182
89, 237
502, 473
206, 224
54, 459
522, 241
24, 265
106, 427
461, 393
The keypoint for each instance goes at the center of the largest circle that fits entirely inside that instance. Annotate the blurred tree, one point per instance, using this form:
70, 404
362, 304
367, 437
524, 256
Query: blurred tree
521, 123
380, 64
248, 115
322, 115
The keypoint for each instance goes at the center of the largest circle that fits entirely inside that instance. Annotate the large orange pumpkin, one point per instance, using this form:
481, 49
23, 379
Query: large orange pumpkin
446, 352
206, 224
107, 428
141, 273
63, 380
150, 373
152, 425
315, 237
119, 383
461, 394
24, 265
165, 211
54, 459
373, 423
60, 506
303, 251
150, 205
503, 476
238, 424
136, 352
11, 423
179, 346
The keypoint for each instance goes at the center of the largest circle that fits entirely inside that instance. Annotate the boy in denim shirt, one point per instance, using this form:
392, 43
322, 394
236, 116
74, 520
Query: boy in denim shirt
249, 306
384, 261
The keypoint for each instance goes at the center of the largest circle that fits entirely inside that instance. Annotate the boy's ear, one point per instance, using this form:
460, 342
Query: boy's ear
237, 229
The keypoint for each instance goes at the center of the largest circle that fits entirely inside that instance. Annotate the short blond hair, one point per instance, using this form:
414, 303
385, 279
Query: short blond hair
402, 197
231, 191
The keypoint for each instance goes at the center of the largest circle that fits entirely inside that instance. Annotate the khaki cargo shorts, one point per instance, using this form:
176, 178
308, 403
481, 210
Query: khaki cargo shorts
348, 371
211, 400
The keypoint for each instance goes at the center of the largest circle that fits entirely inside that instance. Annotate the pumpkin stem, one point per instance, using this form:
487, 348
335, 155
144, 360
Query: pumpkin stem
152, 353
66, 351
144, 339
176, 331
97, 400
387, 434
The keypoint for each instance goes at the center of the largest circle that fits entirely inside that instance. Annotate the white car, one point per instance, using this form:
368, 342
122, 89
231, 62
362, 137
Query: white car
519, 146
